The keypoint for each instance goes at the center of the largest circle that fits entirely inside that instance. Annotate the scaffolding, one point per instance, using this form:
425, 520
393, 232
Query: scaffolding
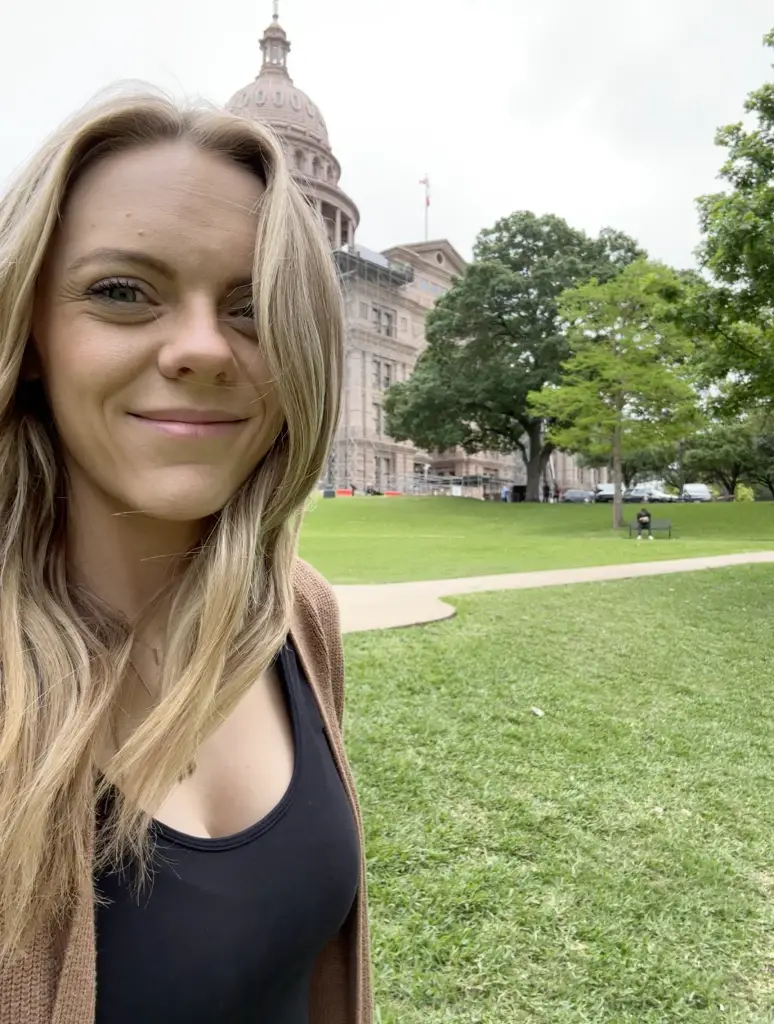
377, 354
384, 337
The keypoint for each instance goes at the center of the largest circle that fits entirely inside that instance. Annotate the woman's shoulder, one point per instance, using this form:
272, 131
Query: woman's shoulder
314, 595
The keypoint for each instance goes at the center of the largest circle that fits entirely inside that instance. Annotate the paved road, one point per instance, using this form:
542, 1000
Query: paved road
391, 605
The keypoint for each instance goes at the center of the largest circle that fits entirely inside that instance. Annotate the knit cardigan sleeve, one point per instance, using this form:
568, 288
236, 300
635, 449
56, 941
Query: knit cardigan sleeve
324, 617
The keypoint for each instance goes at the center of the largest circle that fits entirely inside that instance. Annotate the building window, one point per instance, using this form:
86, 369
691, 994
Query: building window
387, 377
383, 321
378, 424
383, 468
430, 287
316, 167
300, 159
403, 325
363, 310
377, 373
419, 469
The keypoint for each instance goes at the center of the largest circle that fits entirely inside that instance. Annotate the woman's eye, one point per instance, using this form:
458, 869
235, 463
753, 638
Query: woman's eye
119, 292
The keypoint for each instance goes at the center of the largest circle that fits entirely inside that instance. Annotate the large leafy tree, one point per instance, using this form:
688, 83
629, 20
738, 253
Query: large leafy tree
627, 385
722, 453
760, 470
495, 336
738, 226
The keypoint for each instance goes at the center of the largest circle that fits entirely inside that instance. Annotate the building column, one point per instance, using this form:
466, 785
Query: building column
337, 236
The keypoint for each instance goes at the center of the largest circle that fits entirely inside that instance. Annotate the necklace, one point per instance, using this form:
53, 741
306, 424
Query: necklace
191, 768
155, 651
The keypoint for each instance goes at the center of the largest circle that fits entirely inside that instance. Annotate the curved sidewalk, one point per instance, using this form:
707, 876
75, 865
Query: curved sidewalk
392, 605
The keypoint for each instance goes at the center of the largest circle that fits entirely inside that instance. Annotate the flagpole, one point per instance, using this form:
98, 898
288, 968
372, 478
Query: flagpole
426, 182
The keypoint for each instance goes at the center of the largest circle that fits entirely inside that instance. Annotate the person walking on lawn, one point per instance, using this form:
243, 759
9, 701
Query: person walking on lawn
643, 523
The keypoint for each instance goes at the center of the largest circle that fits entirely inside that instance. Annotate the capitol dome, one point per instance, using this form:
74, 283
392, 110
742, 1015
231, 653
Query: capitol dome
273, 99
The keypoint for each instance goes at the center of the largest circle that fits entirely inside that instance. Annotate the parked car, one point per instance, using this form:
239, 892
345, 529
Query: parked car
578, 497
648, 495
638, 495
604, 492
696, 492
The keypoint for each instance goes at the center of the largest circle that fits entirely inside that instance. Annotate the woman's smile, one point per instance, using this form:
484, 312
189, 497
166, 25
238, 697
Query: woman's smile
191, 424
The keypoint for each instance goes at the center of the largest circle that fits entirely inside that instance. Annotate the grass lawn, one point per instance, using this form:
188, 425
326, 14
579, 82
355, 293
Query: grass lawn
612, 861
379, 540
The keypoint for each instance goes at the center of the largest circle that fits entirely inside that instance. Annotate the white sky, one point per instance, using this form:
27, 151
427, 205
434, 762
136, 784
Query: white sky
602, 111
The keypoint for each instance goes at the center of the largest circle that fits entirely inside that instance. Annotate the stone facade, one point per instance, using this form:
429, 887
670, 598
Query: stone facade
387, 298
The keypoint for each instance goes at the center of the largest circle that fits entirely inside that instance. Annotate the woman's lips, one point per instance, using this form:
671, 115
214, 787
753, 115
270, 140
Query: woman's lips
188, 424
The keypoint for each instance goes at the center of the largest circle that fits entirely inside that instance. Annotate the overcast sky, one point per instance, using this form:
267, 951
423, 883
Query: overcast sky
602, 111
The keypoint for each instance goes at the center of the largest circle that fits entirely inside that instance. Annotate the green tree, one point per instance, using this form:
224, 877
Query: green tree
722, 453
760, 470
738, 226
495, 336
627, 385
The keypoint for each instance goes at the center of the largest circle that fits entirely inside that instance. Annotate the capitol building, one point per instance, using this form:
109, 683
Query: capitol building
387, 298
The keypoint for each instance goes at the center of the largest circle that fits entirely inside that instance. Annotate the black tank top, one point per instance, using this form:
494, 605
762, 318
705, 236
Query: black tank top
230, 929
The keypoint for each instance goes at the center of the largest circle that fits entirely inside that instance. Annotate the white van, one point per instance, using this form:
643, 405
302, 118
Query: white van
696, 492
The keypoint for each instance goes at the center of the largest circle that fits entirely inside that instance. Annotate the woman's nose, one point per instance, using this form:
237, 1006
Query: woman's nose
195, 346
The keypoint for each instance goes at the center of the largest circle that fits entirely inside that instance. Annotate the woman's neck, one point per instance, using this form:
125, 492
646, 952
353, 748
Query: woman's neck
126, 559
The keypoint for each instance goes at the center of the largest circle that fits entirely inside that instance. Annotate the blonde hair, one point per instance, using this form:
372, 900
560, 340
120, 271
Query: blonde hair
62, 658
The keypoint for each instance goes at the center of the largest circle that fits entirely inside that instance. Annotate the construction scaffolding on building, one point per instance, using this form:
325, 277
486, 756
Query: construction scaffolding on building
384, 337
363, 455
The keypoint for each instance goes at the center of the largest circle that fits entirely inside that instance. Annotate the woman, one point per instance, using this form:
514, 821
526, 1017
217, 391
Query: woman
179, 833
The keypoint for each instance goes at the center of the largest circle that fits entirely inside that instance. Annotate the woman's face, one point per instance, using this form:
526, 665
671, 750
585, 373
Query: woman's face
144, 332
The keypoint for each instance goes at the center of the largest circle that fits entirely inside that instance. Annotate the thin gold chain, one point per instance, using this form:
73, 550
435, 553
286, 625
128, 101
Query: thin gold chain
188, 772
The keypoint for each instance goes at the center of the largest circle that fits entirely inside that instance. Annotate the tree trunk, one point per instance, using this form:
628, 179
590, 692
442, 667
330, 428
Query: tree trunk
536, 463
617, 478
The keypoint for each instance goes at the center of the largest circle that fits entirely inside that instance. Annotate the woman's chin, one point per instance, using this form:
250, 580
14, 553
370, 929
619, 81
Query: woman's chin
181, 500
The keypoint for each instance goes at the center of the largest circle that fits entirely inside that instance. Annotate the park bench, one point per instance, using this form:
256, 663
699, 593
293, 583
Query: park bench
656, 526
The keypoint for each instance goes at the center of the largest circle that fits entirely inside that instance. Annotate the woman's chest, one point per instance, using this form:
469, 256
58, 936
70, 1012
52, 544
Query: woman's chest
243, 769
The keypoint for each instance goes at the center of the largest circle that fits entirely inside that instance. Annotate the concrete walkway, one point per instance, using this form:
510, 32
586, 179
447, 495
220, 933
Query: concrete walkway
391, 605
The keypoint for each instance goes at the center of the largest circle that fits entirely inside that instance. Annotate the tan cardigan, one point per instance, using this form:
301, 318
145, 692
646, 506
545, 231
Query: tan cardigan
56, 982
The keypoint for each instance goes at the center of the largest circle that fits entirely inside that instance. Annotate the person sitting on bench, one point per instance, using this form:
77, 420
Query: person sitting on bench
643, 523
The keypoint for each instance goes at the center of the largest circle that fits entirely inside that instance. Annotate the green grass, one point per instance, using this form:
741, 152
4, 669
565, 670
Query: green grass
375, 540
610, 862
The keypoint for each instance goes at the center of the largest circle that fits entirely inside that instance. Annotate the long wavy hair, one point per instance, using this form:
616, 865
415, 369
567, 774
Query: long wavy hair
63, 658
